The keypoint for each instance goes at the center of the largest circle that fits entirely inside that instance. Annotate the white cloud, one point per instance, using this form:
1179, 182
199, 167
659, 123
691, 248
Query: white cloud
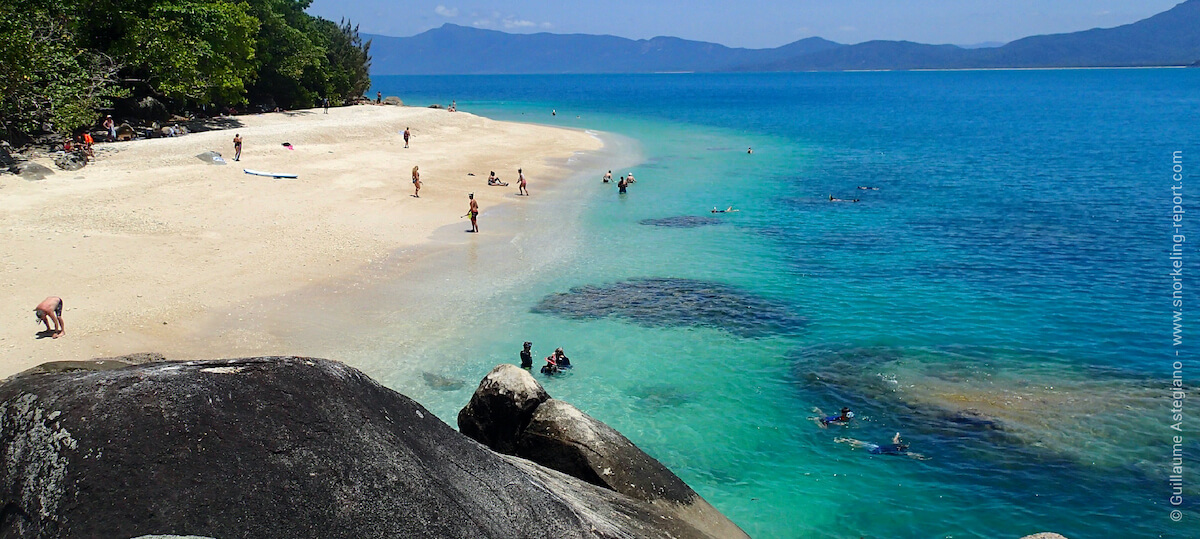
518, 23
483, 23
446, 11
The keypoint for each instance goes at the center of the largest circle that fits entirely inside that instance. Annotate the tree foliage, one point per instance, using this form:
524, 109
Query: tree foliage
67, 60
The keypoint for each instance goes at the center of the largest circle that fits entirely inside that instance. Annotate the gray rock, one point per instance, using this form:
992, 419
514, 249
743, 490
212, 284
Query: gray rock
70, 161
34, 172
560, 437
125, 132
274, 447
392, 100
149, 108
501, 407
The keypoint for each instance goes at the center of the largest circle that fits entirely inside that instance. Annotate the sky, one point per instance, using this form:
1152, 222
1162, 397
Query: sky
751, 23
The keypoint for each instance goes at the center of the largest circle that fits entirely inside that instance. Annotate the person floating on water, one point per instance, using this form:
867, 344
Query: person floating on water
527, 356
897, 447
726, 210
868, 188
842, 419
832, 199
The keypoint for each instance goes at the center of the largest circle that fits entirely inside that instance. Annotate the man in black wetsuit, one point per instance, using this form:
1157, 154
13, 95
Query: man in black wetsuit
527, 357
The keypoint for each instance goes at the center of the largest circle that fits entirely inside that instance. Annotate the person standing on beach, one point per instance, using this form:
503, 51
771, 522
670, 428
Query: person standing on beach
111, 127
378, 98
237, 147
325, 103
416, 183
473, 212
406, 135
51, 308
521, 189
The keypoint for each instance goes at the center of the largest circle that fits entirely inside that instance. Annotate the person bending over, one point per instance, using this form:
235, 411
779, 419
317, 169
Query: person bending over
50, 310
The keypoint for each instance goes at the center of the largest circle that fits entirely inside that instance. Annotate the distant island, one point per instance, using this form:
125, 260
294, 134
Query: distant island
1170, 38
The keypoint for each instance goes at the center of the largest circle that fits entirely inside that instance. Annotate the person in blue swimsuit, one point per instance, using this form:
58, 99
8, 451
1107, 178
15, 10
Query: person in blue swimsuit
897, 447
842, 419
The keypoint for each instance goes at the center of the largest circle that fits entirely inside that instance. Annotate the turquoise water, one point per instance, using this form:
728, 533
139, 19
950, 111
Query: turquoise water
1002, 299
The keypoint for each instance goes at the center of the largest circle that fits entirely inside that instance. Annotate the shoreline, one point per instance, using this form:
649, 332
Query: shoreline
392, 315
150, 240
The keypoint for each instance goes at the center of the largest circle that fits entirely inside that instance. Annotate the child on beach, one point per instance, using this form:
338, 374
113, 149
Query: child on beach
521, 189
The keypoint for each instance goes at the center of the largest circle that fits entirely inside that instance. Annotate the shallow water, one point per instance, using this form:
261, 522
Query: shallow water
999, 299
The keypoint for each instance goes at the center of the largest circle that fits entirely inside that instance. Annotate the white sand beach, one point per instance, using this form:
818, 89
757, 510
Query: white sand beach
150, 238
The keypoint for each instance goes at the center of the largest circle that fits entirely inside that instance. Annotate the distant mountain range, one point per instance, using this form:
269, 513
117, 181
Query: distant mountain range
1170, 38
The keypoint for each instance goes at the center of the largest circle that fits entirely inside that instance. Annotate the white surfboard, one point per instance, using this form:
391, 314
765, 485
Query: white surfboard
269, 174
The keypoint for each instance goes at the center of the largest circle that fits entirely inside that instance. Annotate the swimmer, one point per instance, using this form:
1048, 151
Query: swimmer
824, 421
560, 359
749, 151
868, 188
832, 199
897, 447
50, 310
726, 210
608, 177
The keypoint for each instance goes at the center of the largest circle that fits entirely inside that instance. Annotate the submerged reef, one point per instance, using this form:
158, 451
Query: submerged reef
670, 302
1005, 398
682, 221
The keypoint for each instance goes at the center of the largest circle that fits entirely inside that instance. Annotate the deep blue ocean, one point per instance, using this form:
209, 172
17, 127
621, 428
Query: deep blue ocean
1002, 299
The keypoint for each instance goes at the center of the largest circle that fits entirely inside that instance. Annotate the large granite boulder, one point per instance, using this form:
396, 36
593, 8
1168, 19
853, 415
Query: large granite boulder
558, 436
71, 161
501, 407
272, 447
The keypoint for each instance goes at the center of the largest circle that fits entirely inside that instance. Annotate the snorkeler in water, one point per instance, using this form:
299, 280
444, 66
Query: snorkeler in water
832, 199
726, 210
897, 447
842, 419
868, 188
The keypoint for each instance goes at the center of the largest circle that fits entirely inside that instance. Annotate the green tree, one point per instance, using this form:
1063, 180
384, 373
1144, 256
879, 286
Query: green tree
48, 80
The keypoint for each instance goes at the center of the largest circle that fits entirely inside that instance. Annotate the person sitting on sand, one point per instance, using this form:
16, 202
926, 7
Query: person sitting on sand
51, 308
416, 182
897, 447
726, 210
527, 356
493, 180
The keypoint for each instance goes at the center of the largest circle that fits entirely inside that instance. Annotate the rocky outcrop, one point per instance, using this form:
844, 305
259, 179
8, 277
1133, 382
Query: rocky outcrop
272, 447
501, 407
393, 100
557, 435
71, 161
